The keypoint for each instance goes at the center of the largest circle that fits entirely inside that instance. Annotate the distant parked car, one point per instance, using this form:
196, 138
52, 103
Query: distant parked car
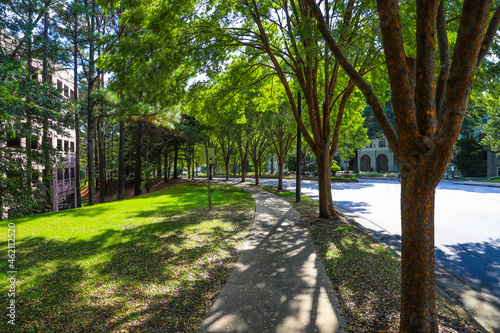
399, 177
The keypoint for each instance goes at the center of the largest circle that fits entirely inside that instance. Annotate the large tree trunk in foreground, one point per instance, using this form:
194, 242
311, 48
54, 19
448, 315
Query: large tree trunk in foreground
429, 116
417, 253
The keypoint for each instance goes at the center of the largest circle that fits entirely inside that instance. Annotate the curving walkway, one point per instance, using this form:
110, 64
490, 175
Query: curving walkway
278, 283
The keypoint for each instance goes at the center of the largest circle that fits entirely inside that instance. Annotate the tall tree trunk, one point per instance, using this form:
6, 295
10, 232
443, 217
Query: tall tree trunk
176, 155
256, 170
90, 113
77, 119
45, 130
102, 171
280, 176
96, 158
323, 162
417, 253
138, 160
121, 163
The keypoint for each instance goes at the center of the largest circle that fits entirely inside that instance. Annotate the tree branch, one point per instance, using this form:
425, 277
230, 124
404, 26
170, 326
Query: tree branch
365, 88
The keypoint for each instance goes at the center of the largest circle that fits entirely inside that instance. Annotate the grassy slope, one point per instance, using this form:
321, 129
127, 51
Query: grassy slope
364, 273
155, 262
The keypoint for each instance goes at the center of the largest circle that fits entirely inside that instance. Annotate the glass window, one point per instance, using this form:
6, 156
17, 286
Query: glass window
59, 144
34, 143
72, 146
16, 142
66, 145
59, 85
381, 143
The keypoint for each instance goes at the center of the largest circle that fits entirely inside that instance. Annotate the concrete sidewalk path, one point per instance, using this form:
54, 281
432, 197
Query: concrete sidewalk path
278, 283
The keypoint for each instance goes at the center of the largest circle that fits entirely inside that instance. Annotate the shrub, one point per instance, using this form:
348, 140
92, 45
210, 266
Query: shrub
335, 167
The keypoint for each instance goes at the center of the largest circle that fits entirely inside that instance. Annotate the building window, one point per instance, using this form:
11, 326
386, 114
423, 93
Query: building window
16, 142
66, 91
59, 86
381, 143
372, 145
49, 78
72, 173
72, 146
59, 175
66, 174
66, 145
59, 144
34, 143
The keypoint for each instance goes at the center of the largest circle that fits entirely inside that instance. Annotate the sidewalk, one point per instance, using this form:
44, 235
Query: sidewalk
278, 283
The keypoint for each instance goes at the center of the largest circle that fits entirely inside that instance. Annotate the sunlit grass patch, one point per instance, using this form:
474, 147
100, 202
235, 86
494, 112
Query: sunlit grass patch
152, 263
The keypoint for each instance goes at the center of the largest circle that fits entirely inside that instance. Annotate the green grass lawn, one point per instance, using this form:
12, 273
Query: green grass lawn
488, 180
152, 263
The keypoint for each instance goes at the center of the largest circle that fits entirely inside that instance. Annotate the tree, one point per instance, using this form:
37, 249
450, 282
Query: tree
281, 36
71, 27
491, 131
429, 111
469, 156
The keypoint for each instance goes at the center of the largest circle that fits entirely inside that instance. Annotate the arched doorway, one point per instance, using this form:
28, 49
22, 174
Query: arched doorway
382, 163
365, 163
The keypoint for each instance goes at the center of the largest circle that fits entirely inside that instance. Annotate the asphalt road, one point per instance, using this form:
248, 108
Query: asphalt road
467, 221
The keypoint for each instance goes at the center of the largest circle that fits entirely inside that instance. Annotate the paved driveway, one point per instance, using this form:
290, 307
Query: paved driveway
467, 223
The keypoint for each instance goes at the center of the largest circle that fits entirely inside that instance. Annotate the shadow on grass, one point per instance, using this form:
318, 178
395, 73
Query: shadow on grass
162, 276
365, 274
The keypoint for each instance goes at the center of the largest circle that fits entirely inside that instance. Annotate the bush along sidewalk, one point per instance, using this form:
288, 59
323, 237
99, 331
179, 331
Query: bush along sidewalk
364, 273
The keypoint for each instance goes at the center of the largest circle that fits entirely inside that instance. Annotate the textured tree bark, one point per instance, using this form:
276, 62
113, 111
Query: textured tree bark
138, 160
428, 122
323, 162
77, 121
90, 115
418, 272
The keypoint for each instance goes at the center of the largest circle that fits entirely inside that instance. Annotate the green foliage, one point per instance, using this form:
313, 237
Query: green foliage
373, 128
468, 156
491, 131
25, 105
147, 178
335, 167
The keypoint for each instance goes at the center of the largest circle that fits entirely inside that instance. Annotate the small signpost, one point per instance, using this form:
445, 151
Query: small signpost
207, 156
